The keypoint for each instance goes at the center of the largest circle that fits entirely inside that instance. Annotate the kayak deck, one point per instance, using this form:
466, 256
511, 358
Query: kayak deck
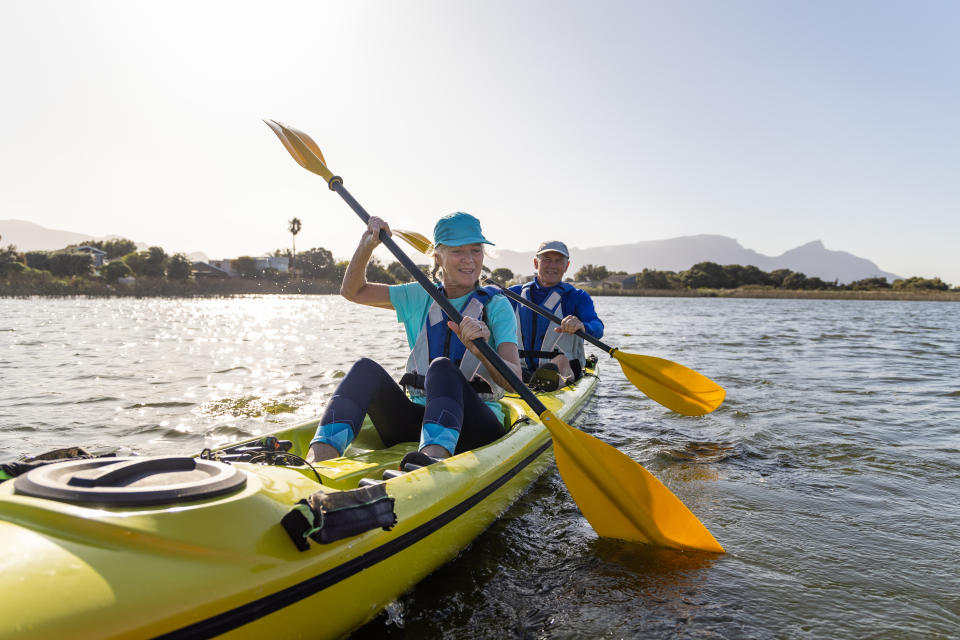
225, 566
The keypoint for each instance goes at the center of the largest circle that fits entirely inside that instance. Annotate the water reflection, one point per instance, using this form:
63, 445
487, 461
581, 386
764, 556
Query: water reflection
702, 452
830, 474
212, 367
646, 571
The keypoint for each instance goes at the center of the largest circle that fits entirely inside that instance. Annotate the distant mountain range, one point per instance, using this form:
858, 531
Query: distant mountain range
28, 236
679, 254
673, 254
32, 237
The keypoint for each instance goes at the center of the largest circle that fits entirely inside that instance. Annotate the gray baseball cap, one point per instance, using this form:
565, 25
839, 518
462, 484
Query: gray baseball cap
553, 245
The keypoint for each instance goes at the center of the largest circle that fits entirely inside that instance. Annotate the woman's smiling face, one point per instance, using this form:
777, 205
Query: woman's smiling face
461, 265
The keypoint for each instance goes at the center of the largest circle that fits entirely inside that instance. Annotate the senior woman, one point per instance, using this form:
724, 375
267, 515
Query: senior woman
448, 397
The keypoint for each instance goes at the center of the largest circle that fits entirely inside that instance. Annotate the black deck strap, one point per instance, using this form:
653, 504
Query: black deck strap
519, 421
67, 453
412, 380
25, 464
577, 369
480, 385
267, 443
328, 517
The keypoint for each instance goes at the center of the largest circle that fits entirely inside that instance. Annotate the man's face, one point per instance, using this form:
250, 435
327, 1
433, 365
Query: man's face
550, 267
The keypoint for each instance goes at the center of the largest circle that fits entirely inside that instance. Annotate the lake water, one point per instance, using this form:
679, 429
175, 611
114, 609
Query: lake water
831, 474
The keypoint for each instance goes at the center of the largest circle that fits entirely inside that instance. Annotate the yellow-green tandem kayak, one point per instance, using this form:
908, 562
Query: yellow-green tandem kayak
194, 547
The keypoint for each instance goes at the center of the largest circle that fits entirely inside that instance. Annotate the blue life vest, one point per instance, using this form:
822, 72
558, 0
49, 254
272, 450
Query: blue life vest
537, 336
436, 340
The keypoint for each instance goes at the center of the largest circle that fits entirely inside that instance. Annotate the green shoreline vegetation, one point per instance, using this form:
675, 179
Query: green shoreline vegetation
154, 273
770, 292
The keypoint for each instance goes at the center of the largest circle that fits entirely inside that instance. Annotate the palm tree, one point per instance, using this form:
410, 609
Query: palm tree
294, 228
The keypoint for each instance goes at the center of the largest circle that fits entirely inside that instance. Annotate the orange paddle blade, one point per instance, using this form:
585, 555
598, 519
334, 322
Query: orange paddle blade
619, 497
416, 240
673, 385
302, 148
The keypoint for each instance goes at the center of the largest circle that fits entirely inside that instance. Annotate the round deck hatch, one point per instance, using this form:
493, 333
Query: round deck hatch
125, 482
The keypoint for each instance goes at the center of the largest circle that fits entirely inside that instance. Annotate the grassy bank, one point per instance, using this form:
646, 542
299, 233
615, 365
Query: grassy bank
155, 287
795, 294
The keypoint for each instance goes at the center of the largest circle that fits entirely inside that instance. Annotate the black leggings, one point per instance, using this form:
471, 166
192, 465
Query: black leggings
451, 402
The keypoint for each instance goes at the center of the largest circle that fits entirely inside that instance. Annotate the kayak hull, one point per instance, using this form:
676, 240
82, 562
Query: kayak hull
226, 567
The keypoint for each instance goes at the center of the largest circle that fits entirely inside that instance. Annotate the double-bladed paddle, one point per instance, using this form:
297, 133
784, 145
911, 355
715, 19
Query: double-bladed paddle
673, 385
618, 497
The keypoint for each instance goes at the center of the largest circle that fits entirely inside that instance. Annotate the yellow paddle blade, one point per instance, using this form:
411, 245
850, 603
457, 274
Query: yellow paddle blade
673, 385
302, 148
416, 240
619, 498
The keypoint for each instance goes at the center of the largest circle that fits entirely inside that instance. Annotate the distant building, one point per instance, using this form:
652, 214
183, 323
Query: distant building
207, 270
616, 282
279, 263
225, 266
97, 255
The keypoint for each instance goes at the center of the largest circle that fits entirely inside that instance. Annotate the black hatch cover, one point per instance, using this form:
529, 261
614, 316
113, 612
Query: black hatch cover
126, 482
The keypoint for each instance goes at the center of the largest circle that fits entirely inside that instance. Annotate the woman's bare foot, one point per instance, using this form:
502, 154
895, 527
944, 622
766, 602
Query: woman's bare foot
563, 364
435, 451
320, 451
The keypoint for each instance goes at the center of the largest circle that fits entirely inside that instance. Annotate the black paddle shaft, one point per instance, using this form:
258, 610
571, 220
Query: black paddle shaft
546, 314
492, 356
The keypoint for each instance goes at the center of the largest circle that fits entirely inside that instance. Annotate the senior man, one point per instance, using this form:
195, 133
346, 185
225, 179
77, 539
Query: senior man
550, 354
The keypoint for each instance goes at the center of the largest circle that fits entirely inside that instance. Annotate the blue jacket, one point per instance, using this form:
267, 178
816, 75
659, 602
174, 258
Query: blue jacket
533, 327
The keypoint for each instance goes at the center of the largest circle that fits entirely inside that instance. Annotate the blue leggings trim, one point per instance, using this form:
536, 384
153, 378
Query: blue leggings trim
336, 434
439, 435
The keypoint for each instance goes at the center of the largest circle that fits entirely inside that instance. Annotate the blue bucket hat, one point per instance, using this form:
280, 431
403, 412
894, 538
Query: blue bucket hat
458, 229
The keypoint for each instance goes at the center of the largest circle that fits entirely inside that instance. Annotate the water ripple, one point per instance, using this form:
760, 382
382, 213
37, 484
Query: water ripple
830, 474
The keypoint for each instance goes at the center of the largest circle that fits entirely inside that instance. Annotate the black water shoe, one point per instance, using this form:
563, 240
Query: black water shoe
415, 460
547, 378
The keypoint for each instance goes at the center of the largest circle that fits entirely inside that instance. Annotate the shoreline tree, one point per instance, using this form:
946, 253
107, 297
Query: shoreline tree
245, 266
179, 268
294, 227
591, 272
116, 248
502, 275
316, 263
114, 270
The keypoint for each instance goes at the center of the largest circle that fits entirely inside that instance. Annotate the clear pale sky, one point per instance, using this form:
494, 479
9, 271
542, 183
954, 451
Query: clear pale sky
775, 123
